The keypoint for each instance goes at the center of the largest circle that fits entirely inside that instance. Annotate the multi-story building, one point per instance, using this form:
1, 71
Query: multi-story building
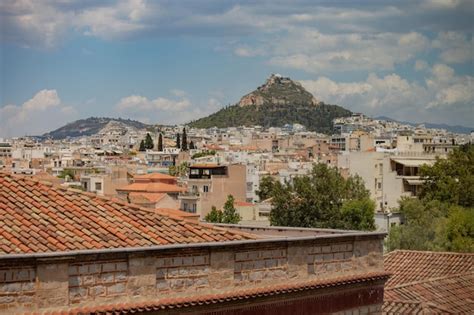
210, 184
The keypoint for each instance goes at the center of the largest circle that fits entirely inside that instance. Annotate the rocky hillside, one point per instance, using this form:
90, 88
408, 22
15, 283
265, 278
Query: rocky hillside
278, 102
90, 126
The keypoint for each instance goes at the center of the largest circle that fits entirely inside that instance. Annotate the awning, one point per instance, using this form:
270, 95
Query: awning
414, 162
415, 182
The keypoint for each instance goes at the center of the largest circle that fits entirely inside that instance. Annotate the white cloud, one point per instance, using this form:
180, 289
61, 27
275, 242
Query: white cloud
160, 109
445, 97
42, 113
421, 65
312, 51
455, 47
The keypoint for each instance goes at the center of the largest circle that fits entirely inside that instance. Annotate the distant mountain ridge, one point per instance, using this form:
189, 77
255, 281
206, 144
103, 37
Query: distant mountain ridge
278, 102
89, 126
455, 129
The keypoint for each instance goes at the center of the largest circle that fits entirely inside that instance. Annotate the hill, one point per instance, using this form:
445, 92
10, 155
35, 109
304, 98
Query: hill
278, 102
451, 128
90, 126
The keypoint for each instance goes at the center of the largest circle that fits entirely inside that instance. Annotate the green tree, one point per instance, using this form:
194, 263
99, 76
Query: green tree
265, 188
67, 174
315, 200
142, 146
160, 142
358, 214
452, 179
184, 144
230, 214
191, 145
180, 170
442, 217
149, 142
178, 141
214, 216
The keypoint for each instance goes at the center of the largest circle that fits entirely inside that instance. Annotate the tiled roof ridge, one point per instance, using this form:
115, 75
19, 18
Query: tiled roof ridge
128, 205
426, 252
247, 293
407, 284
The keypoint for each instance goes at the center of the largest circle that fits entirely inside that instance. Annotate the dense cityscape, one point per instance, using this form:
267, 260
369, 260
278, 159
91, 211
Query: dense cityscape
301, 196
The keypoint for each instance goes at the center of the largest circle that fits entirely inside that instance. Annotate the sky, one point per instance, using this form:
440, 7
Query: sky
170, 62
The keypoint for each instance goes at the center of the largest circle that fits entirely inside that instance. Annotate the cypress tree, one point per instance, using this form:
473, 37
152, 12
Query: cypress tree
178, 141
142, 146
160, 143
184, 145
149, 142
191, 145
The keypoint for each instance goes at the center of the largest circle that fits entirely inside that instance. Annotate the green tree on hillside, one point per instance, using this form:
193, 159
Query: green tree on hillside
265, 188
178, 141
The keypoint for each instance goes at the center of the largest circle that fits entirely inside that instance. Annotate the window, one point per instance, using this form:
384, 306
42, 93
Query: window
193, 210
205, 188
98, 186
85, 185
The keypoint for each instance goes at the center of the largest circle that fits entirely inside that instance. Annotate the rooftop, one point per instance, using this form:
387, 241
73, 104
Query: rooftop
429, 282
38, 217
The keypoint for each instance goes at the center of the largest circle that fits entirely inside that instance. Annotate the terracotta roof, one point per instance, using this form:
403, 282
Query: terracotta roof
232, 295
454, 293
408, 266
429, 282
154, 176
137, 197
153, 187
412, 307
39, 217
243, 203
176, 212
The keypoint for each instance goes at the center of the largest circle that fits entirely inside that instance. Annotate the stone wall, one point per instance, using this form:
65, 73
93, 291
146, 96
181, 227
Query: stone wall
76, 280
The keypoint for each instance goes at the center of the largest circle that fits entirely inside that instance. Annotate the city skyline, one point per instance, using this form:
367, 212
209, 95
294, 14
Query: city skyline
166, 62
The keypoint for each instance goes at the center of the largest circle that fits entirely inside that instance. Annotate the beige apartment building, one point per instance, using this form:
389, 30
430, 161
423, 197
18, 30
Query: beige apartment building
210, 184
388, 177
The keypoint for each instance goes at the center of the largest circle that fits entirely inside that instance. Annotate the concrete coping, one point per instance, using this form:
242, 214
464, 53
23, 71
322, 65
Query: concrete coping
353, 235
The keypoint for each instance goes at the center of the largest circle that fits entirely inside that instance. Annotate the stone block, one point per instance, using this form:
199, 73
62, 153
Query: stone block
106, 278
199, 260
12, 287
271, 263
316, 249
162, 285
187, 261
201, 282
28, 286
108, 267
121, 276
78, 293
116, 289
98, 290
6, 299
83, 269
338, 256
326, 249
328, 257
121, 266
75, 281
88, 280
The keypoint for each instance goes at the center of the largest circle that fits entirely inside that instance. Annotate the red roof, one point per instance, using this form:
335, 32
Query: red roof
154, 176
408, 266
152, 187
429, 282
39, 217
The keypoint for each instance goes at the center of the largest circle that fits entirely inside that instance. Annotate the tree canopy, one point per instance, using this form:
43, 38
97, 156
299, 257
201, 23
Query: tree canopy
160, 142
149, 142
184, 141
442, 217
322, 199
228, 215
